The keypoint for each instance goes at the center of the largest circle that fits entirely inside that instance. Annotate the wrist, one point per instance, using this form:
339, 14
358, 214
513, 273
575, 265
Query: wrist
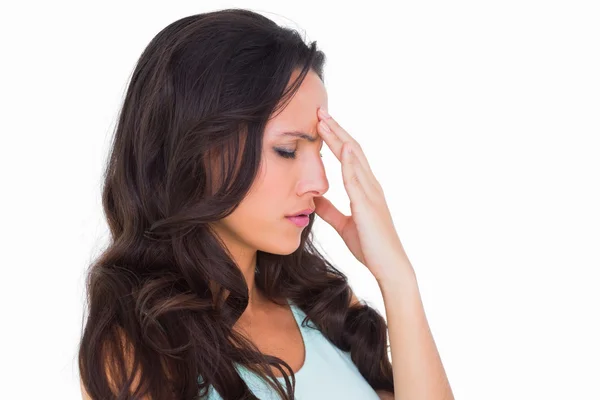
398, 272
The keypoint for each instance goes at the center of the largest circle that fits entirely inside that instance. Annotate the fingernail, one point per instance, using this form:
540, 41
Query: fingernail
324, 113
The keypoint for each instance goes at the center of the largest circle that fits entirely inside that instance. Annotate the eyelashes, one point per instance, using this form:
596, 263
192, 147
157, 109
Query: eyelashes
290, 155
286, 154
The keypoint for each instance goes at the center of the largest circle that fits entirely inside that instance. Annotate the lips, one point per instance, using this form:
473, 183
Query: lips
300, 221
305, 213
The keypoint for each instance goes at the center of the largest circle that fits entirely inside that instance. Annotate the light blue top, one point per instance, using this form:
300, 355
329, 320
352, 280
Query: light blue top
327, 372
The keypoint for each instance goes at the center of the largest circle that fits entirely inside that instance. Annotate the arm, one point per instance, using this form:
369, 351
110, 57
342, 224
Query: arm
417, 367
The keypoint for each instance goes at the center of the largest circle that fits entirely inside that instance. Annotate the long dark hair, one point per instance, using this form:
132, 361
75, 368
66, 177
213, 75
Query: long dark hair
165, 293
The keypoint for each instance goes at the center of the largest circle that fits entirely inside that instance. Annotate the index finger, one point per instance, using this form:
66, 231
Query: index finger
335, 136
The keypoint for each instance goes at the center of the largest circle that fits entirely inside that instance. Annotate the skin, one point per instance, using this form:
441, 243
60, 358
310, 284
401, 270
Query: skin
283, 187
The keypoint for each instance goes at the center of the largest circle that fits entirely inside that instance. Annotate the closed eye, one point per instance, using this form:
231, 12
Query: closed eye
286, 154
290, 155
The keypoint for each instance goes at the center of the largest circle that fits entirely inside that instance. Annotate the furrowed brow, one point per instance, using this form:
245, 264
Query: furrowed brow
301, 135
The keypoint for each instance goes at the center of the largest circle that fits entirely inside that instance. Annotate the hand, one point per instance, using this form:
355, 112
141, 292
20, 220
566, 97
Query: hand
369, 232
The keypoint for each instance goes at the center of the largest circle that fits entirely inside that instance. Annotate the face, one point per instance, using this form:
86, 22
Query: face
290, 176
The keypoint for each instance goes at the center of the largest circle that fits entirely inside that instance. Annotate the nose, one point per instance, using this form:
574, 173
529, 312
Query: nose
314, 180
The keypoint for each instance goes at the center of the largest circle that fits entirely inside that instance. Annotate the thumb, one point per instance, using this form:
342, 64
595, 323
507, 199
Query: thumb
330, 214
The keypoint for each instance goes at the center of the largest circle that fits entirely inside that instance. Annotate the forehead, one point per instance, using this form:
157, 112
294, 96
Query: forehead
300, 114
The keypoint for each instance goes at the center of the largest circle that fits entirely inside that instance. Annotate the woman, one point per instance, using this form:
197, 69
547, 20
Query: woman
211, 286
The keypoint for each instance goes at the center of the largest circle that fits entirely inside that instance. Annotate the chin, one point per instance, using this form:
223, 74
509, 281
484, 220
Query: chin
284, 247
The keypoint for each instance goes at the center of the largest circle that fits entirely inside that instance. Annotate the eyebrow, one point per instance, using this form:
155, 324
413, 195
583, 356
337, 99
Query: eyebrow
301, 135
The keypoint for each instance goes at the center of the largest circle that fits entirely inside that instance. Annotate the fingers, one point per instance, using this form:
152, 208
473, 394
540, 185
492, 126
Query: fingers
338, 136
335, 137
356, 181
330, 214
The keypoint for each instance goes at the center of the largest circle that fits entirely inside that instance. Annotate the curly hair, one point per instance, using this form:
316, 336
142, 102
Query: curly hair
194, 112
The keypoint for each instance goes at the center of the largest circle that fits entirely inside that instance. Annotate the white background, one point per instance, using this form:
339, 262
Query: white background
481, 120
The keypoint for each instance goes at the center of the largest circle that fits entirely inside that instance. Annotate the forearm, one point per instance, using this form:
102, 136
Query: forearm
417, 368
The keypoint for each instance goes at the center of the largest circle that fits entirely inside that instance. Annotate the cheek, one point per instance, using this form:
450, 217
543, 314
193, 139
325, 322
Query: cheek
275, 184
270, 196
266, 201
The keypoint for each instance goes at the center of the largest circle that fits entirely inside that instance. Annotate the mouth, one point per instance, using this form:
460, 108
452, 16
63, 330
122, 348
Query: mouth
300, 220
302, 213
